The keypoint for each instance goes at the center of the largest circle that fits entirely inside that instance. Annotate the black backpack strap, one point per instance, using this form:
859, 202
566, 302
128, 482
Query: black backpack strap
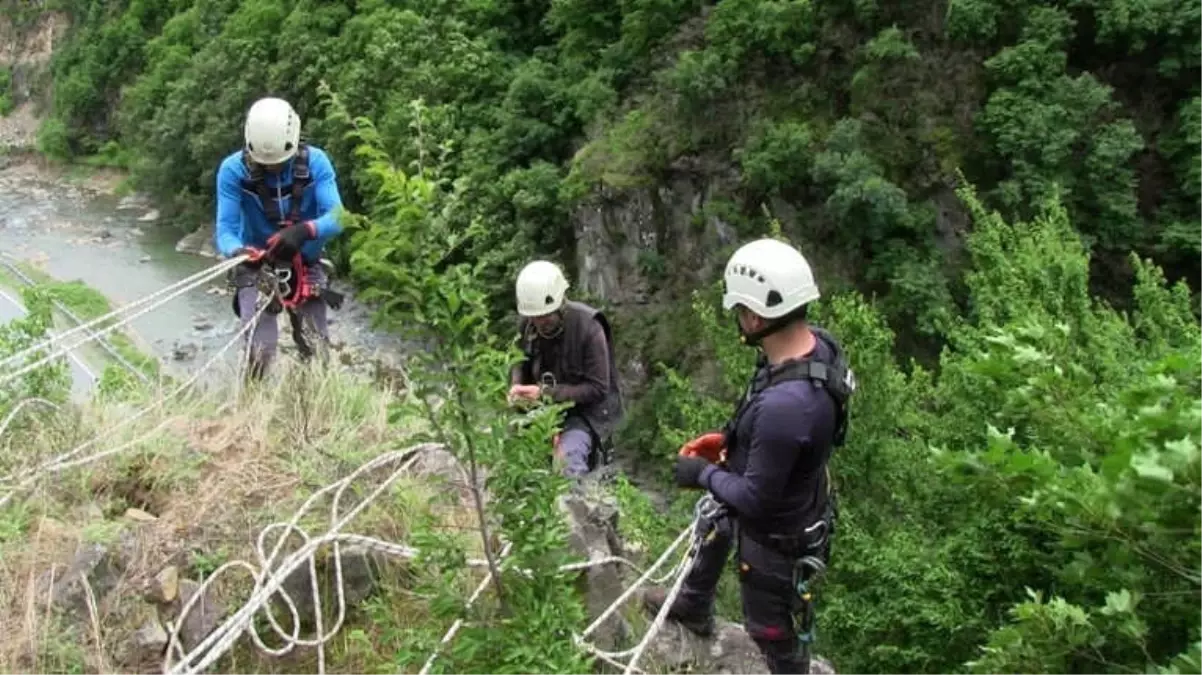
835, 377
258, 183
300, 180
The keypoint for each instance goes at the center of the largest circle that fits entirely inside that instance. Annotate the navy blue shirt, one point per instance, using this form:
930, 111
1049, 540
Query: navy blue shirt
775, 479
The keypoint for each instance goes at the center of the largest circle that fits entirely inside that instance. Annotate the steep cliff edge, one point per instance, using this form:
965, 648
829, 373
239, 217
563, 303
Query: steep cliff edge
27, 42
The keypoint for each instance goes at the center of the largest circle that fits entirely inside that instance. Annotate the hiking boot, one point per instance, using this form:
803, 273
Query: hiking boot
700, 623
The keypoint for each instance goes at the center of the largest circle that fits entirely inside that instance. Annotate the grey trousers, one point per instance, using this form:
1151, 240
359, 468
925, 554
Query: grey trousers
575, 444
265, 336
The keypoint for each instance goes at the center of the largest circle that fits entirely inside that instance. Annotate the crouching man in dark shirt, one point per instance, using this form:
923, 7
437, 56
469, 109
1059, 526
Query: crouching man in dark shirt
569, 357
772, 475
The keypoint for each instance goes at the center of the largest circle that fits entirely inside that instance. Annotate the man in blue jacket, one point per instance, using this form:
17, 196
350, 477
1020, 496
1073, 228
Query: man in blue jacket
277, 200
768, 469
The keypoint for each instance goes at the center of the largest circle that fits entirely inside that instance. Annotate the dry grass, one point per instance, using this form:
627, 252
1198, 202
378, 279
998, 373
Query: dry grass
224, 466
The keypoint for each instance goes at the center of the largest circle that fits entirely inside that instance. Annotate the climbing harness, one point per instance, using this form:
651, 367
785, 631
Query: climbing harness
257, 183
291, 283
808, 569
836, 378
707, 512
287, 284
810, 549
600, 449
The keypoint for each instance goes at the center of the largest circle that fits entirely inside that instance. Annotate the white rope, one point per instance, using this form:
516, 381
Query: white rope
705, 512
17, 408
61, 462
207, 275
268, 581
103, 343
190, 282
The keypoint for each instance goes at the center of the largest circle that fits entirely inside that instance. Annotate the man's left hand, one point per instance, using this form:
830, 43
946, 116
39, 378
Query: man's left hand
688, 471
286, 243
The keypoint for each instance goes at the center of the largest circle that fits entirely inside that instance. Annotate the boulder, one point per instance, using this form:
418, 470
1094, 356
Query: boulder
729, 650
592, 518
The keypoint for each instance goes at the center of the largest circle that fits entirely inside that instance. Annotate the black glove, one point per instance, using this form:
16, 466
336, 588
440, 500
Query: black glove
253, 253
688, 471
286, 243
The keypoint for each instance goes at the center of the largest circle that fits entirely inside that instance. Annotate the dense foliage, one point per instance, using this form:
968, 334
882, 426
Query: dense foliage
847, 120
1033, 506
1025, 499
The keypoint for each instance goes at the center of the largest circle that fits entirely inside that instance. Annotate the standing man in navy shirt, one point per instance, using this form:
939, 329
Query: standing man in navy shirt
768, 468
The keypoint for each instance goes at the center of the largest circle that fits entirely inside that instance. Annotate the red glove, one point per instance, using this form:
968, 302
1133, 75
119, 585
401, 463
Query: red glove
710, 446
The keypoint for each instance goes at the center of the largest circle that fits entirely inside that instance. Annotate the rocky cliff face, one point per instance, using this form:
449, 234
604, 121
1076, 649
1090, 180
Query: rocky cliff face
25, 51
641, 251
629, 240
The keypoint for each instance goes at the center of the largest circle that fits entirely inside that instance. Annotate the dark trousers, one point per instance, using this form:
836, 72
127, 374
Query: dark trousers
766, 585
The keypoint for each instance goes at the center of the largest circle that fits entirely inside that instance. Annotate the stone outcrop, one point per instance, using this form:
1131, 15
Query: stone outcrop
199, 242
593, 535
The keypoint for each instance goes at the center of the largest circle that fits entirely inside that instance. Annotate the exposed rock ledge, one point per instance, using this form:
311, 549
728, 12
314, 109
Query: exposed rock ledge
199, 242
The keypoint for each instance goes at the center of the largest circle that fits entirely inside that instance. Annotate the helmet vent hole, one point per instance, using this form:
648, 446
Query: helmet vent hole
774, 298
288, 145
549, 300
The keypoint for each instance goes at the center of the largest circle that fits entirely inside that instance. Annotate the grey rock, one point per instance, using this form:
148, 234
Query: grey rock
592, 518
729, 650
202, 618
94, 566
362, 570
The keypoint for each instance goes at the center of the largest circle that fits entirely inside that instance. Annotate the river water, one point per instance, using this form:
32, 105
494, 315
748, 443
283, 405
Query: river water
113, 245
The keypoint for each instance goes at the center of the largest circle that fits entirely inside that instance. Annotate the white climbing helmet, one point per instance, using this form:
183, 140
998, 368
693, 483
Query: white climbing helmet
768, 277
540, 288
272, 131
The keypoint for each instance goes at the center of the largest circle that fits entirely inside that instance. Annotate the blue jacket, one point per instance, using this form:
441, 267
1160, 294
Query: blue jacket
242, 220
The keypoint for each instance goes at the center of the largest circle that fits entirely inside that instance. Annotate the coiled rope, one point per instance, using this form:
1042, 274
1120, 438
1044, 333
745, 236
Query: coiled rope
269, 578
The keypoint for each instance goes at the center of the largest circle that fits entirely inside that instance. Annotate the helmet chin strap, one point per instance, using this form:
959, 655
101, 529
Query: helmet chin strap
754, 338
554, 331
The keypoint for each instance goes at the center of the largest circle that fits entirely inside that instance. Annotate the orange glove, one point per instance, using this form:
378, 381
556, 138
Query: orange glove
711, 446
